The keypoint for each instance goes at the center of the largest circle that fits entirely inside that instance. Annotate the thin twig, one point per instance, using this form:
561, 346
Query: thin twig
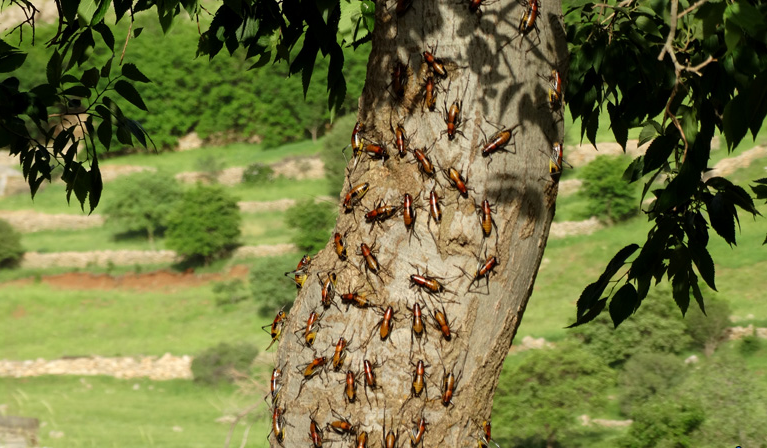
237, 419
671, 33
127, 37
245, 436
691, 8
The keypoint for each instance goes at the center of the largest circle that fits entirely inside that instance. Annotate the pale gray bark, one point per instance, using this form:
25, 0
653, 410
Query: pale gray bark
498, 81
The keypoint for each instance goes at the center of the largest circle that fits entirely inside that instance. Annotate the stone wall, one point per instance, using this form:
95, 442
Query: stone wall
167, 367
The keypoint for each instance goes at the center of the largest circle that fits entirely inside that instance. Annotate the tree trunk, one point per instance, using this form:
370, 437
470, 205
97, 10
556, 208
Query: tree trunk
504, 83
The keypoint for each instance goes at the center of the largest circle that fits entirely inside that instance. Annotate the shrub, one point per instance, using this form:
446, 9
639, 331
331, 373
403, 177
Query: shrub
610, 198
750, 345
10, 246
257, 174
209, 168
314, 222
204, 224
656, 327
215, 364
646, 375
707, 330
270, 289
142, 203
335, 164
230, 292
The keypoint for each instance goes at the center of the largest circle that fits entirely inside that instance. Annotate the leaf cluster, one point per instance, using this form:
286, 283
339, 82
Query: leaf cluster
711, 77
11, 250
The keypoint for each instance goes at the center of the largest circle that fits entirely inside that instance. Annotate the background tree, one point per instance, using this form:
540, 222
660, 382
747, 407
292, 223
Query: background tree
609, 197
11, 250
142, 203
313, 222
708, 331
545, 393
204, 224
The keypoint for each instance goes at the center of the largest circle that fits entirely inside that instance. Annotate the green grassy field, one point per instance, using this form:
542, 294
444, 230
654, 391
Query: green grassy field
106, 412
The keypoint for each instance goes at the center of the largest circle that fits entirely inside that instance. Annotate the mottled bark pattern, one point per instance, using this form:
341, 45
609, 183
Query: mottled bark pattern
499, 76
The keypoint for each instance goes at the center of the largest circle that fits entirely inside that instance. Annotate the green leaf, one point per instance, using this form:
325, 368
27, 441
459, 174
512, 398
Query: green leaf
658, 152
593, 291
680, 189
738, 196
90, 78
96, 186
592, 126
53, 69
132, 72
623, 304
80, 91
104, 133
106, 35
747, 17
11, 60
619, 127
696, 293
681, 291
634, 170
107, 68
593, 312
689, 123
647, 134
704, 263
721, 215
101, 11
137, 31
127, 91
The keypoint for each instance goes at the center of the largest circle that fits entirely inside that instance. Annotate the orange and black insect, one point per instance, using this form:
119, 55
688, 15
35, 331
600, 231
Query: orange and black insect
300, 274
357, 143
429, 284
449, 384
483, 272
474, 5
556, 164
370, 378
430, 94
350, 387
529, 19
339, 355
555, 91
485, 213
386, 324
499, 141
341, 426
328, 285
312, 325
340, 245
452, 119
278, 424
455, 178
419, 384
425, 166
354, 196
435, 209
399, 77
376, 151
409, 216
380, 213
355, 298
389, 439
275, 329
442, 324
315, 433
435, 63
417, 433
362, 440
417, 329
312, 369
274, 385
484, 438
401, 141
369, 260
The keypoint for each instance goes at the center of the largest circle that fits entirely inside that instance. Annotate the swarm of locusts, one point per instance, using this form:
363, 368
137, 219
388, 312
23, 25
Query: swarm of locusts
426, 316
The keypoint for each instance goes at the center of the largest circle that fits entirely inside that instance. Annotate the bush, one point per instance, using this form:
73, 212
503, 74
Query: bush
10, 246
647, 375
230, 292
258, 174
142, 203
204, 224
209, 168
750, 345
314, 222
335, 164
707, 331
656, 327
610, 198
269, 287
215, 364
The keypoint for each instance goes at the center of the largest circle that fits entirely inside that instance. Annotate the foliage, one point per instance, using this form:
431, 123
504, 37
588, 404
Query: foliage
142, 202
750, 344
314, 221
230, 292
10, 245
647, 375
664, 424
715, 406
708, 331
541, 397
209, 167
215, 364
335, 163
680, 76
610, 198
205, 223
258, 173
658, 329
270, 290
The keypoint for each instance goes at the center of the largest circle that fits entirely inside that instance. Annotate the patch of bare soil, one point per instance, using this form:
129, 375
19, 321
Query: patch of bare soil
162, 280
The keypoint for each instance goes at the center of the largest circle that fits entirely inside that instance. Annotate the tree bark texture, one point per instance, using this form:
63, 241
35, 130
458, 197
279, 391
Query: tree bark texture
496, 75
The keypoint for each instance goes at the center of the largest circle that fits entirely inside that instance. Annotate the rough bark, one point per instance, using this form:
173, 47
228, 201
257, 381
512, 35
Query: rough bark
499, 76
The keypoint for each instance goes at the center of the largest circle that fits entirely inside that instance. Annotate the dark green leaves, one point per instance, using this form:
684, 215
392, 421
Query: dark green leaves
127, 91
623, 304
721, 214
658, 152
132, 72
10, 58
